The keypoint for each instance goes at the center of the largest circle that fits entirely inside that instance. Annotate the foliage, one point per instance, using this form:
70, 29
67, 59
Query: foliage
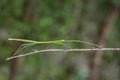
45, 20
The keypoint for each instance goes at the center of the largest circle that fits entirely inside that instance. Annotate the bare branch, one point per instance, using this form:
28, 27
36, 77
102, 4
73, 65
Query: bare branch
63, 50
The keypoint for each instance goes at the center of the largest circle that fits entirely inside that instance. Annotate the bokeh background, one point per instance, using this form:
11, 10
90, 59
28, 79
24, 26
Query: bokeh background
96, 21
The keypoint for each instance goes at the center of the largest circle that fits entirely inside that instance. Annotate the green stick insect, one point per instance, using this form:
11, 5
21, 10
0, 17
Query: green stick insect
31, 43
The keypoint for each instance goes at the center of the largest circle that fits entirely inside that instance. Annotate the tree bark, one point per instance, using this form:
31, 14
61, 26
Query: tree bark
87, 24
75, 24
100, 40
14, 64
28, 17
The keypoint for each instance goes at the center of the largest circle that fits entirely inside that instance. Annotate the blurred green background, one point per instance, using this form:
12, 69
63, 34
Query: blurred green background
96, 21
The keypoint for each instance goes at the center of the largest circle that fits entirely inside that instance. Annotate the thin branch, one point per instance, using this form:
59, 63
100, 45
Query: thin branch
63, 50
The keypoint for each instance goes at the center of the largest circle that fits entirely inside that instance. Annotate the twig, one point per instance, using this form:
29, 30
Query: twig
62, 50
